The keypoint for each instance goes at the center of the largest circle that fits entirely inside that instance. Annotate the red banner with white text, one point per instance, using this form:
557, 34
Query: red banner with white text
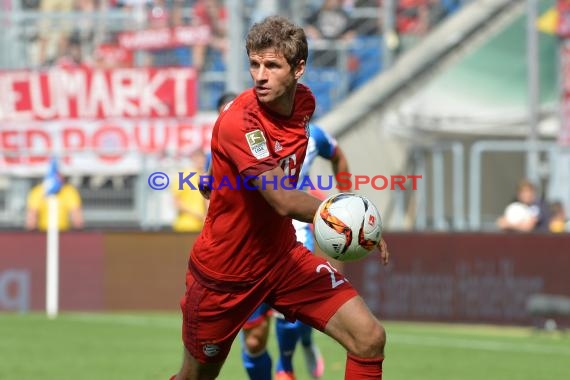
163, 38
95, 94
98, 121
111, 146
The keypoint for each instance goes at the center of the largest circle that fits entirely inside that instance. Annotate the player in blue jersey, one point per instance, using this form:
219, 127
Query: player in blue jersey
256, 359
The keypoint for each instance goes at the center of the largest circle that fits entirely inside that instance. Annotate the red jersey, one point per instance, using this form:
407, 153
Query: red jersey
243, 236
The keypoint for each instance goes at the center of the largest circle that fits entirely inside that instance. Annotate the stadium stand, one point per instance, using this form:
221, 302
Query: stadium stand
108, 34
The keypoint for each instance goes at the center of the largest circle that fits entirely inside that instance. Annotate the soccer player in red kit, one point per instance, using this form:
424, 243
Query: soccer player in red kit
247, 252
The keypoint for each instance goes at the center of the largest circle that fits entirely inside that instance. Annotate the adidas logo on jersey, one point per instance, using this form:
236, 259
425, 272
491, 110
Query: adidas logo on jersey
278, 146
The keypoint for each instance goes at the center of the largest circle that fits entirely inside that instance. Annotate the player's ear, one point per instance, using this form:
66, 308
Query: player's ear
299, 69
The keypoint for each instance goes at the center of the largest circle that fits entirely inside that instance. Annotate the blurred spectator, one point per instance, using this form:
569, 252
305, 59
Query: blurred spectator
258, 10
527, 213
448, 7
159, 18
87, 30
137, 9
72, 56
367, 17
413, 17
130, 4
413, 21
159, 15
213, 14
54, 33
330, 23
440, 9
189, 203
70, 214
558, 221
109, 55
224, 99
28, 5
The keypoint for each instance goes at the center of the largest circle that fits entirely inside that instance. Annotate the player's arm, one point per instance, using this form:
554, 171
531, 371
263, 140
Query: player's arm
525, 225
329, 149
31, 219
205, 188
339, 163
293, 203
77, 218
384, 253
76, 212
32, 209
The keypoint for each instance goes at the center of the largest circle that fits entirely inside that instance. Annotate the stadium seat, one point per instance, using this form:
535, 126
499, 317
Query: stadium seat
367, 51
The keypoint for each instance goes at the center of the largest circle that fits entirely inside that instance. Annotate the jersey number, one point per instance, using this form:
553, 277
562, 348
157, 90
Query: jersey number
328, 267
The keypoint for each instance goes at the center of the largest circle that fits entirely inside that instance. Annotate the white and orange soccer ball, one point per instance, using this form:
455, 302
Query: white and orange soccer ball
347, 226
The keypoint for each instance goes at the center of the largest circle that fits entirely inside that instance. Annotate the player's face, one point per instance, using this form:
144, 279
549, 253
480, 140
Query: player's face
527, 195
274, 79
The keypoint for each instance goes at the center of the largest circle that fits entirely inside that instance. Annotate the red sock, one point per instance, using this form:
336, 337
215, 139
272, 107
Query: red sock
363, 368
173, 377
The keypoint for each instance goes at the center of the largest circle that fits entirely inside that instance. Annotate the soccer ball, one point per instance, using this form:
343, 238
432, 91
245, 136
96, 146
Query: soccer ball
347, 226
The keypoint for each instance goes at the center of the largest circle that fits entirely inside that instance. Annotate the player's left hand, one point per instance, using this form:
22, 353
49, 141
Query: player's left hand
205, 190
384, 254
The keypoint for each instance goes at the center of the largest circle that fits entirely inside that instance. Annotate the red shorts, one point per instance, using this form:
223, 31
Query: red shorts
303, 286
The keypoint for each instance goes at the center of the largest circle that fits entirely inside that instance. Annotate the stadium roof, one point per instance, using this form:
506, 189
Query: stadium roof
486, 91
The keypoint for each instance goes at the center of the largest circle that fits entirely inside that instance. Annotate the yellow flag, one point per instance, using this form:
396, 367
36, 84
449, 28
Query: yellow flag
548, 22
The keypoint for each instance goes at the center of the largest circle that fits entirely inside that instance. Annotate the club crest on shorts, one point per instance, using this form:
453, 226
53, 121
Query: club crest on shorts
211, 350
257, 144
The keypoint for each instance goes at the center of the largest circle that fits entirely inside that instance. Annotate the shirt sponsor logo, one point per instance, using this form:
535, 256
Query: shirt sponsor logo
257, 144
211, 350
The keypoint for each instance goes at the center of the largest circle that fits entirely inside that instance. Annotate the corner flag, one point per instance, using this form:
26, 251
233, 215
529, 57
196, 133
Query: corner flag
52, 185
52, 179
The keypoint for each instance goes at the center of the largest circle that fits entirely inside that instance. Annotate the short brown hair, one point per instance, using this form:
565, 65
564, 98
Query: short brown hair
526, 184
279, 33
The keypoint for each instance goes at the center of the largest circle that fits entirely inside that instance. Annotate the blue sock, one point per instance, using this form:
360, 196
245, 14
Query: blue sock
258, 367
287, 337
306, 333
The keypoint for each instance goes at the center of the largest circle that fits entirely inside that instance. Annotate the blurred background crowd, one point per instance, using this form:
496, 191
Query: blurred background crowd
352, 43
346, 36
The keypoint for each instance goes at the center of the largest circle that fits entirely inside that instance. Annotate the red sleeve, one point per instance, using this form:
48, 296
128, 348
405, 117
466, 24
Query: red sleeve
245, 144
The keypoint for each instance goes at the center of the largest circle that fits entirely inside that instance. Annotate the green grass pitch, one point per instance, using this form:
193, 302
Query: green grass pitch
147, 346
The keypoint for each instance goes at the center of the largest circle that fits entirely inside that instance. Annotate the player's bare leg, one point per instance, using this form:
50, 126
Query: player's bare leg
194, 370
255, 338
354, 326
256, 360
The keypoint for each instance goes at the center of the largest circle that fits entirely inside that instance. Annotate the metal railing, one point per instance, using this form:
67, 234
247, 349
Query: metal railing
439, 203
500, 146
419, 202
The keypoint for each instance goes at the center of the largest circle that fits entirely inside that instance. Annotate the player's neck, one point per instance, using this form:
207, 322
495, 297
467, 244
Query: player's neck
282, 107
